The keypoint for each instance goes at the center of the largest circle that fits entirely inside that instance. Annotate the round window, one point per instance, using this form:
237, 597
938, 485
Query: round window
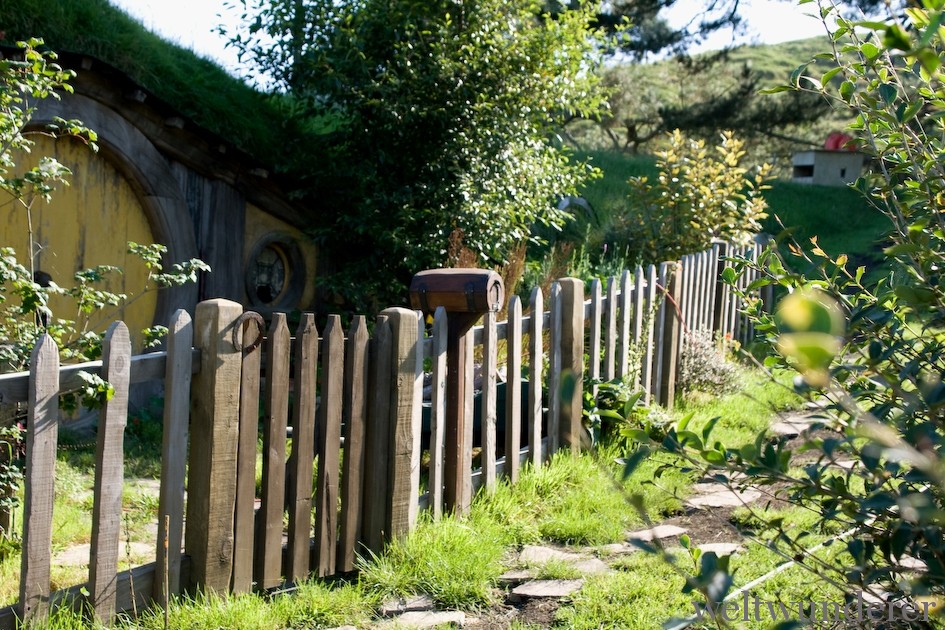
269, 274
275, 273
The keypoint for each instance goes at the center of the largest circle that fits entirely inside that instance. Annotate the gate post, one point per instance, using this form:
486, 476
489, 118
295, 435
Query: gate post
214, 430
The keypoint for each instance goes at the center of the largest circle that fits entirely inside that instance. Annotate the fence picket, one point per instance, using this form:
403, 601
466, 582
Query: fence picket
671, 338
245, 512
513, 388
489, 416
623, 330
329, 448
211, 481
554, 372
648, 340
639, 315
355, 419
377, 437
109, 474
535, 361
301, 460
180, 338
594, 334
269, 542
438, 412
407, 374
39, 475
610, 339
571, 363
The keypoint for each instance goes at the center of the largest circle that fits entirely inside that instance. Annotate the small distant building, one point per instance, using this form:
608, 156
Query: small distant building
827, 168
837, 164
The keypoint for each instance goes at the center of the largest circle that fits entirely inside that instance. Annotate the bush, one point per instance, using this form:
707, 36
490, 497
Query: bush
703, 366
701, 194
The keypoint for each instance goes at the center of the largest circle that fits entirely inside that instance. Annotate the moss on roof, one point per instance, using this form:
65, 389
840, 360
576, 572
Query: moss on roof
195, 86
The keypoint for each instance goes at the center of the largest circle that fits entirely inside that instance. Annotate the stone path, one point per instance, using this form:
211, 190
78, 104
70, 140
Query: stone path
522, 581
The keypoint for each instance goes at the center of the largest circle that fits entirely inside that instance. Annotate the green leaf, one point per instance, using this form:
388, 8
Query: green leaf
896, 38
888, 92
631, 463
707, 429
847, 89
870, 50
714, 457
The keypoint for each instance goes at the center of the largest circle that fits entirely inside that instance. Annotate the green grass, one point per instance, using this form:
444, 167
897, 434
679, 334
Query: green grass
839, 217
642, 595
744, 414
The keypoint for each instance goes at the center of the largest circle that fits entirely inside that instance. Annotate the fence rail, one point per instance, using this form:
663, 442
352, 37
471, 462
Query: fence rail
343, 392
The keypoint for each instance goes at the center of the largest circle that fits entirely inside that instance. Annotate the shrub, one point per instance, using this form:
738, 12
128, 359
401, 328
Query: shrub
703, 366
702, 194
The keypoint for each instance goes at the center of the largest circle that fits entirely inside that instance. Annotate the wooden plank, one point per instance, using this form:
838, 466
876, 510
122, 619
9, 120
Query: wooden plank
594, 333
438, 412
671, 338
571, 429
468, 376
554, 371
623, 328
685, 291
610, 338
39, 474
214, 426
489, 416
513, 388
666, 303
14, 387
244, 517
268, 556
720, 291
109, 475
407, 377
376, 453
535, 364
641, 317
653, 299
180, 338
329, 448
709, 283
301, 461
695, 280
707, 289
712, 277
355, 421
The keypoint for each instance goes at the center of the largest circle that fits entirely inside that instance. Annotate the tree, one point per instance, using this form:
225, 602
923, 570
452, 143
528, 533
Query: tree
425, 120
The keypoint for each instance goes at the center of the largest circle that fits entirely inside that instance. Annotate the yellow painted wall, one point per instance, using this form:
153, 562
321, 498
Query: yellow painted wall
260, 224
88, 223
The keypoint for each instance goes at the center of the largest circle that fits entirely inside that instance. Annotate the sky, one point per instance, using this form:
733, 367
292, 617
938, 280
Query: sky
769, 22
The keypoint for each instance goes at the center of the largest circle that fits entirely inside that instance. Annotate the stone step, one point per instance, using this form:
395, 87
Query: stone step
546, 589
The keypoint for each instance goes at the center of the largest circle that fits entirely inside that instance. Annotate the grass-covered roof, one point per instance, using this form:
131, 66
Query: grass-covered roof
195, 86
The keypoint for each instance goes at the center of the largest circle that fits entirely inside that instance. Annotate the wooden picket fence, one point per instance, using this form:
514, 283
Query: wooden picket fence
366, 401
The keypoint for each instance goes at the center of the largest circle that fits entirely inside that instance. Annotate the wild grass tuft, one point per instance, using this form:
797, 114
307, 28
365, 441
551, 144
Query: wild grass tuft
454, 562
556, 570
